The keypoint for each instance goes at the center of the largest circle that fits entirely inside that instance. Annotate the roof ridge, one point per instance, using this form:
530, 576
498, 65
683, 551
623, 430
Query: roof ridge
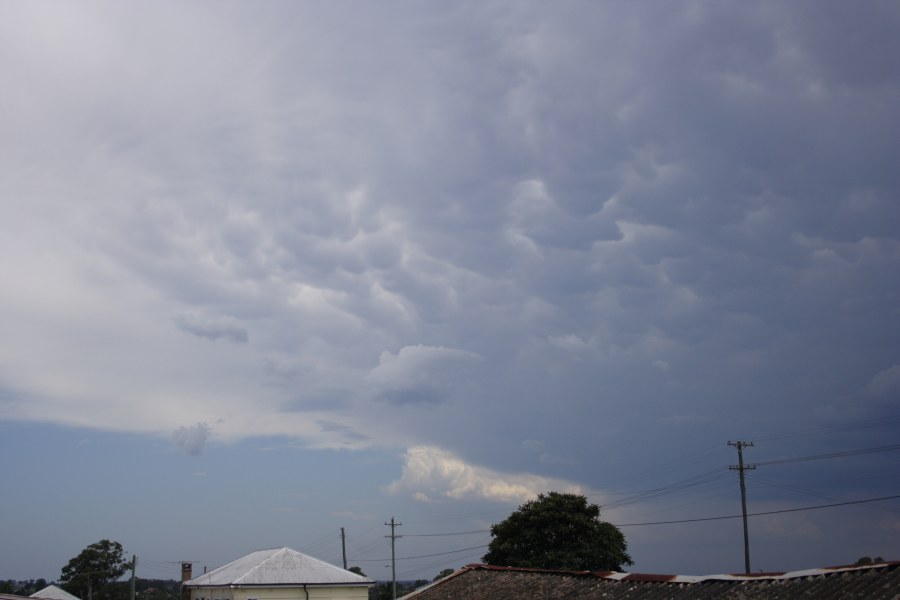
276, 552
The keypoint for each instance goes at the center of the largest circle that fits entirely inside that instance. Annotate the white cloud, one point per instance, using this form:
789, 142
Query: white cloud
431, 473
419, 374
571, 342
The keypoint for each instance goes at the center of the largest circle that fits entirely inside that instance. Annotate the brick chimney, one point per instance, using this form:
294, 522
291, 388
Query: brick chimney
186, 575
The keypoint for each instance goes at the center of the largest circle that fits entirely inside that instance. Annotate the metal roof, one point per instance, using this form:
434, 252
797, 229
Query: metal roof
277, 567
880, 581
51, 592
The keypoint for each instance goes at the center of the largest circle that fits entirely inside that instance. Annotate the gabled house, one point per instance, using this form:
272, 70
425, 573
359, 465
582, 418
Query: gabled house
276, 574
879, 581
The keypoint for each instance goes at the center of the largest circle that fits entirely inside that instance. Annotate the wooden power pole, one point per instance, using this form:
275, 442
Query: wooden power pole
740, 468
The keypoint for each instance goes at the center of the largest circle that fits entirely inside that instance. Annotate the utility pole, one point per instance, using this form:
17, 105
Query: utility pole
343, 548
740, 468
393, 537
133, 569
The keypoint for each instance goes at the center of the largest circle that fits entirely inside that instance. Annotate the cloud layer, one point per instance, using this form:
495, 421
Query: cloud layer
561, 241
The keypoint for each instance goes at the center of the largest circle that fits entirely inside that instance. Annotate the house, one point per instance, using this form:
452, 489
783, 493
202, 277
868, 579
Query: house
51, 592
880, 581
276, 574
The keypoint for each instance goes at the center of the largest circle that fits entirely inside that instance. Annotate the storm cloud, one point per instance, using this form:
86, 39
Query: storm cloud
515, 244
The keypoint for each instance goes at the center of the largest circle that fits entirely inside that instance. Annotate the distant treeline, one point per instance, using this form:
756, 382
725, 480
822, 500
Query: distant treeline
145, 589
382, 589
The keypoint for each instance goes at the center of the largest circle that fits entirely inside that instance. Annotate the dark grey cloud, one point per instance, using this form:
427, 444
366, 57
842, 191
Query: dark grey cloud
192, 439
211, 327
344, 430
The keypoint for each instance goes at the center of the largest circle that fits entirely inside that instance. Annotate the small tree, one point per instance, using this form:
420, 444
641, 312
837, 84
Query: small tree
558, 531
444, 573
94, 568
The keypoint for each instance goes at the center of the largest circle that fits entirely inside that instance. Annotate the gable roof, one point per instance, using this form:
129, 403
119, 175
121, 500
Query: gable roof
54, 593
484, 582
277, 567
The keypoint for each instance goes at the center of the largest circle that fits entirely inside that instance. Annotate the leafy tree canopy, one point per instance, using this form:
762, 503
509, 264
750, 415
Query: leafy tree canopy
558, 531
95, 567
444, 573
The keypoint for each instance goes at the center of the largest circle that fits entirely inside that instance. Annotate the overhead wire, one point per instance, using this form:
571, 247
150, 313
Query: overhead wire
809, 492
830, 455
759, 514
862, 424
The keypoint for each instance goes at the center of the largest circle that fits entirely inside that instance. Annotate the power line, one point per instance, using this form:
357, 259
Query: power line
811, 492
881, 421
428, 555
874, 450
759, 514
450, 533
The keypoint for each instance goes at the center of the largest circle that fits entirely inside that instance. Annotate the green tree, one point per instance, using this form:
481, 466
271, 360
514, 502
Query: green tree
443, 574
94, 569
558, 531
357, 570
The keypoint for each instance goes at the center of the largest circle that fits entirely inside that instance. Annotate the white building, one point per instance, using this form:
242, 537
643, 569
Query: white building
276, 574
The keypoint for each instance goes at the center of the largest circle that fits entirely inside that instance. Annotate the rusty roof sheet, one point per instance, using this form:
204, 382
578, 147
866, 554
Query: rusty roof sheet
484, 582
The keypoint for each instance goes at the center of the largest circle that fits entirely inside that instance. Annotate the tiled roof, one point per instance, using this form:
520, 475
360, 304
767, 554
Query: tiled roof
277, 567
482, 582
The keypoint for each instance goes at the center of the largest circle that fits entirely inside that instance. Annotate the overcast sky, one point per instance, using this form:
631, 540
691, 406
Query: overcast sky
273, 269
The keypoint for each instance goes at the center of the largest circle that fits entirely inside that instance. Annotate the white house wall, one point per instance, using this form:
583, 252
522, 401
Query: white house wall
282, 593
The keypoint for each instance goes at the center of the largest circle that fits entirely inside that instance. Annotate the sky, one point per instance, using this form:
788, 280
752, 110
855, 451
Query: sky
274, 269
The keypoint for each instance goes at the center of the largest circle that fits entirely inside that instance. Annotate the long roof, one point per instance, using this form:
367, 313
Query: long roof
277, 567
879, 581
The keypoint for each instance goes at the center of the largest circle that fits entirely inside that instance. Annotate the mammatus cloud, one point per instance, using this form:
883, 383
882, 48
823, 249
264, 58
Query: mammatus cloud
418, 374
192, 439
344, 430
211, 327
431, 473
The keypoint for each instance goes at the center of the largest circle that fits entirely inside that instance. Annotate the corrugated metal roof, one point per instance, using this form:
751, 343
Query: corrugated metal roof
51, 592
277, 567
484, 582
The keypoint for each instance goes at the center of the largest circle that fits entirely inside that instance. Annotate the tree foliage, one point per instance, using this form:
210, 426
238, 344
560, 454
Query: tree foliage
93, 569
383, 590
558, 531
22, 588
